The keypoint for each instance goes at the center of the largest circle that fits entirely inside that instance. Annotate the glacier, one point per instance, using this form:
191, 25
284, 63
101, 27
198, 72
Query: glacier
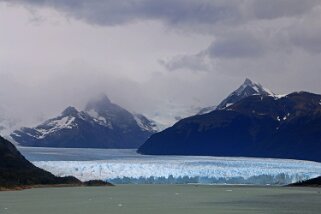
186, 170
125, 166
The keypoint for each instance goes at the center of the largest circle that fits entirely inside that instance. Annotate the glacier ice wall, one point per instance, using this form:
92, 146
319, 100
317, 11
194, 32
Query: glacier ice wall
183, 170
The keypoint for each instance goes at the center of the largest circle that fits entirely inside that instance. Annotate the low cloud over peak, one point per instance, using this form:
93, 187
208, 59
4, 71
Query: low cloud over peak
163, 53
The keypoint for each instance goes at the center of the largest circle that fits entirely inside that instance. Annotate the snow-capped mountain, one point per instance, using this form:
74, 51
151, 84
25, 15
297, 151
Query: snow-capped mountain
109, 114
248, 88
102, 124
256, 126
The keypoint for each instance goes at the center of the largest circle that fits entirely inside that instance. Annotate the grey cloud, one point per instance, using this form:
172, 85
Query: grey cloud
229, 46
270, 9
236, 45
306, 33
112, 12
193, 63
175, 12
191, 14
259, 39
275, 42
310, 43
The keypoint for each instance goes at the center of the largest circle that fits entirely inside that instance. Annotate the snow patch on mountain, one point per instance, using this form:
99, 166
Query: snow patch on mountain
145, 124
99, 119
56, 125
248, 88
279, 96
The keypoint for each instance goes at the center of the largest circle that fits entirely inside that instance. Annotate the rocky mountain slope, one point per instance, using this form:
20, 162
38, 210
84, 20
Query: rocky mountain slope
16, 171
255, 126
248, 88
102, 124
314, 182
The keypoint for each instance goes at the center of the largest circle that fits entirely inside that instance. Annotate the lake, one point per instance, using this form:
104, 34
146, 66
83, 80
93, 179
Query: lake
185, 199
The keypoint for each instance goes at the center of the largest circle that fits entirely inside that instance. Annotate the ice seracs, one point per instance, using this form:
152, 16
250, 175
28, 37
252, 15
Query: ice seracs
184, 170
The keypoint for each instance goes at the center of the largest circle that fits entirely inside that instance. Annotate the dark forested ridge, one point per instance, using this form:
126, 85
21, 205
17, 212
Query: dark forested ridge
314, 182
17, 172
256, 126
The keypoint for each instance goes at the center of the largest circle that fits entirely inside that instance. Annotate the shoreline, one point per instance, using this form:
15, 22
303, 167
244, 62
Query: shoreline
26, 187
44, 186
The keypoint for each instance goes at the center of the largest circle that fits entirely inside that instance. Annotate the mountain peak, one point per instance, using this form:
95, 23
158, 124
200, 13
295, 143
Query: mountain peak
248, 88
251, 88
99, 102
69, 111
288, 127
102, 125
101, 98
247, 82
257, 87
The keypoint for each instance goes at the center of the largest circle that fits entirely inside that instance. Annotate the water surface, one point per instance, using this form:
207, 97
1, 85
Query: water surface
162, 199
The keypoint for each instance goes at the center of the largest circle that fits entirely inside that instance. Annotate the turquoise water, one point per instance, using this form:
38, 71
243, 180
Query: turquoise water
154, 199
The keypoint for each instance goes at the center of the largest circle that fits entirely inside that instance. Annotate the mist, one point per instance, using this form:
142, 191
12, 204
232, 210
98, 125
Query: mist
151, 60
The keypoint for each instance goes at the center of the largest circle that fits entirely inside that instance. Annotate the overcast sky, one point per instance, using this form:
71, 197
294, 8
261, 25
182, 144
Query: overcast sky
152, 56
